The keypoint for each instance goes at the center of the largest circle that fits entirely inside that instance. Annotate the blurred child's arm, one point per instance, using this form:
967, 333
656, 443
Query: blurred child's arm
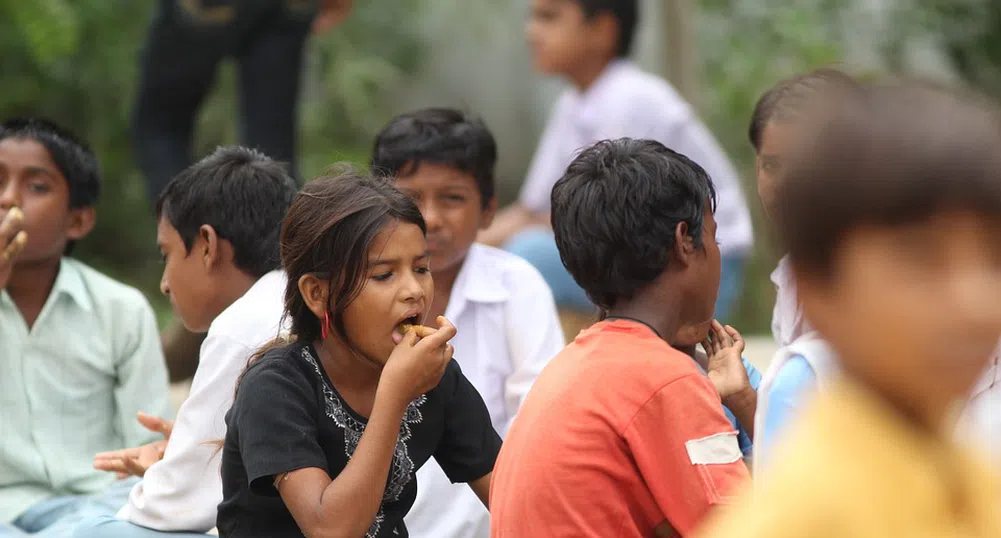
142, 374
534, 336
682, 433
508, 222
792, 386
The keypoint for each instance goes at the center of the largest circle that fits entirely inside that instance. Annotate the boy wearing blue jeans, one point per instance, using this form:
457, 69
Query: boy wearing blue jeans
588, 42
80, 352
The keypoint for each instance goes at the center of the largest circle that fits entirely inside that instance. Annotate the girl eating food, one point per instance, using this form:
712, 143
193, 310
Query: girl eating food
330, 424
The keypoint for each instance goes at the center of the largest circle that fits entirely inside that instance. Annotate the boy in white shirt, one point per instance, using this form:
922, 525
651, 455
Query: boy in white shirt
504, 312
219, 224
588, 42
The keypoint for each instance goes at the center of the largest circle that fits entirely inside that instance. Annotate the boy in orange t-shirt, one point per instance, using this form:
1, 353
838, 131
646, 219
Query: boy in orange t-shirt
622, 435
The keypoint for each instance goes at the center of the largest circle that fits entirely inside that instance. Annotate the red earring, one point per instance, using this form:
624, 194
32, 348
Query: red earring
325, 328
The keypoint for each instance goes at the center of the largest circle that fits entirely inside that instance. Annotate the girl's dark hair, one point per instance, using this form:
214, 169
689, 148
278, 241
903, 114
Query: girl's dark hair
790, 96
328, 231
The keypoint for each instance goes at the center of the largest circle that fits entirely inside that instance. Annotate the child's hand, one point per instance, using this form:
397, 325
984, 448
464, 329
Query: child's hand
416, 367
135, 461
724, 346
12, 241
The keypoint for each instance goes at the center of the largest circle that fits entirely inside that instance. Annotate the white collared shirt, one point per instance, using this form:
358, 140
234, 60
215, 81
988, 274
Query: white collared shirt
625, 101
182, 491
788, 321
981, 420
507, 332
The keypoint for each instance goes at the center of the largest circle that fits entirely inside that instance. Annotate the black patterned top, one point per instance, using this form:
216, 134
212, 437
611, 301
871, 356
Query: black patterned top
288, 415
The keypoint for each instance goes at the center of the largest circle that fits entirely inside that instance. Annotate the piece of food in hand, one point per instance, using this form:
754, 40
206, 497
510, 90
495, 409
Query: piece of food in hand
422, 331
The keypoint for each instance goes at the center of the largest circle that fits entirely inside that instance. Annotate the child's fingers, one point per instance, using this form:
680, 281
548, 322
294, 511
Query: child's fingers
722, 337
111, 465
424, 332
444, 333
14, 247
738, 340
134, 468
154, 423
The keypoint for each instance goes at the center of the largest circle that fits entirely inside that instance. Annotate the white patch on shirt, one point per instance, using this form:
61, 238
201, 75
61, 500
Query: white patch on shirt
718, 449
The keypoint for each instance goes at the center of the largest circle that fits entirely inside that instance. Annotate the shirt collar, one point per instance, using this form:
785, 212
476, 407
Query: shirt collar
480, 280
68, 282
591, 103
782, 275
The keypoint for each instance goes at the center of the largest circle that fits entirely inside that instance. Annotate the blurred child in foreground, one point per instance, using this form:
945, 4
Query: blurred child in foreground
891, 210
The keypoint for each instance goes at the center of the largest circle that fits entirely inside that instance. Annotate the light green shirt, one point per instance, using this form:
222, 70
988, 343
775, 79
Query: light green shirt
71, 386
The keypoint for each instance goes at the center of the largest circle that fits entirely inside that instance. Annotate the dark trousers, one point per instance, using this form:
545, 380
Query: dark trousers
186, 42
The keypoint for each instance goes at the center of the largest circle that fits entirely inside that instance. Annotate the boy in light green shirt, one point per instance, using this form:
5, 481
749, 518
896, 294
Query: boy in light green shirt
80, 352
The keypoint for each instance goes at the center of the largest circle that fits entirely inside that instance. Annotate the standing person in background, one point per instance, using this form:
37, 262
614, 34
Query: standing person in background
187, 41
588, 43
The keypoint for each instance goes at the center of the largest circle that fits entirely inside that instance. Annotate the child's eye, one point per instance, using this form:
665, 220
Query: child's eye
455, 198
382, 276
39, 187
423, 269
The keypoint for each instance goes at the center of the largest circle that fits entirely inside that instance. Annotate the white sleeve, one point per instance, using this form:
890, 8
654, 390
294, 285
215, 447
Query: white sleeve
182, 491
690, 137
534, 335
548, 164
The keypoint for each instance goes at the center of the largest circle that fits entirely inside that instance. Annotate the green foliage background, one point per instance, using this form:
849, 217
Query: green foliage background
76, 61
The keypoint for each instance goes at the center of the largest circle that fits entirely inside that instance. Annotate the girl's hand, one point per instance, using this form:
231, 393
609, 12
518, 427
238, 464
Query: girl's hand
416, 367
724, 346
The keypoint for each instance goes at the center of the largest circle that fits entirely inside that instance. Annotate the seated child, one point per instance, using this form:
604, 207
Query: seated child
328, 429
803, 357
891, 212
81, 352
587, 42
219, 223
623, 435
504, 312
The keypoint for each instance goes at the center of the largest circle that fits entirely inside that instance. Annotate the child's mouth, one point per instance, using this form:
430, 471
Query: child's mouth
404, 326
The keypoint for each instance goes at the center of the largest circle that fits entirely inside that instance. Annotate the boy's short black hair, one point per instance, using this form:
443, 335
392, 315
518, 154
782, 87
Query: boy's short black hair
437, 135
71, 155
790, 95
242, 194
615, 211
626, 12
899, 155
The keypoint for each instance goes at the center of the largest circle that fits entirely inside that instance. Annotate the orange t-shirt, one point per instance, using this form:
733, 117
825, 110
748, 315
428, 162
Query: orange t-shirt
619, 433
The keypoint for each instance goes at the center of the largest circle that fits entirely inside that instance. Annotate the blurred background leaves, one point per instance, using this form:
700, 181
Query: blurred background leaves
76, 61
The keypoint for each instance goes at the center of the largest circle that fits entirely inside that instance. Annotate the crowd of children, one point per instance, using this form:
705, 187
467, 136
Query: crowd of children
371, 368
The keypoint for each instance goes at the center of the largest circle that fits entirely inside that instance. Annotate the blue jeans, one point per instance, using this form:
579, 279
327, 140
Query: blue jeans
111, 527
58, 517
538, 246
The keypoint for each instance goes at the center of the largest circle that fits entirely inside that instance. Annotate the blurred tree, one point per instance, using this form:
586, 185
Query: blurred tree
75, 62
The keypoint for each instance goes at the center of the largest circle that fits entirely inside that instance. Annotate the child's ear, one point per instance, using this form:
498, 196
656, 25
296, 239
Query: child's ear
488, 213
209, 248
605, 32
314, 292
82, 221
684, 246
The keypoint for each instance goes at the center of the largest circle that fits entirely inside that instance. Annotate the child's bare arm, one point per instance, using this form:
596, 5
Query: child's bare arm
347, 505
